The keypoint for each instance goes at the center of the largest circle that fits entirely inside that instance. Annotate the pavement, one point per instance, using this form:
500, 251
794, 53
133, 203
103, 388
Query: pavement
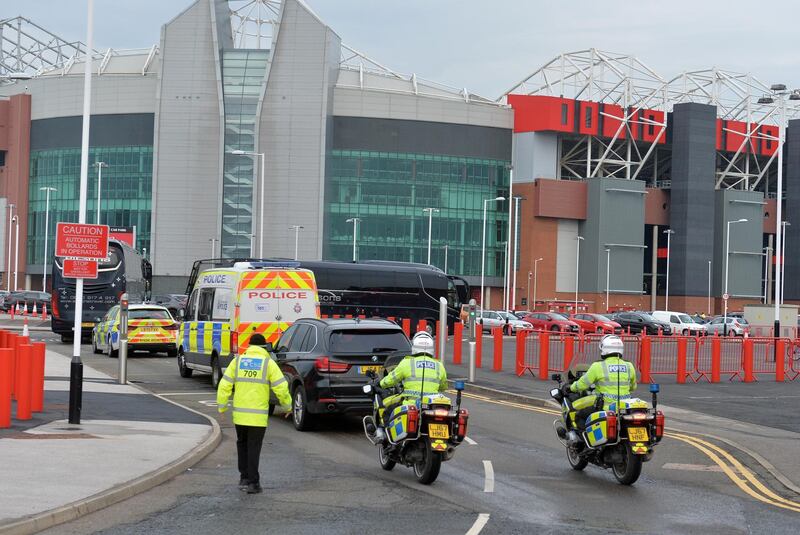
128, 441
35, 323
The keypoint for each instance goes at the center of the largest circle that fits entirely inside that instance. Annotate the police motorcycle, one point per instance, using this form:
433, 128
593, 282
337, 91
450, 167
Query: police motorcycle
621, 438
420, 434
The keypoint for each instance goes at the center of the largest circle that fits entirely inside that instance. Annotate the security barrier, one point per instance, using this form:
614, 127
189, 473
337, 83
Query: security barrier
21, 377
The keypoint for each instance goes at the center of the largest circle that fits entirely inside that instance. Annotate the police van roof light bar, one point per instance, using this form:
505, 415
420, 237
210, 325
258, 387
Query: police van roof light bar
261, 265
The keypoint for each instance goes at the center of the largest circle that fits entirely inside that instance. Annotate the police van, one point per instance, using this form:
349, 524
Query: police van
229, 305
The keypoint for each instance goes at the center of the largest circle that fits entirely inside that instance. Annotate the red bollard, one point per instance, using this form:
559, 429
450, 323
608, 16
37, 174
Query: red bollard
497, 365
18, 341
544, 355
422, 325
37, 378
11, 343
6, 359
780, 355
407, 327
716, 350
747, 360
437, 340
478, 346
681, 367
519, 368
23, 392
458, 336
644, 362
569, 351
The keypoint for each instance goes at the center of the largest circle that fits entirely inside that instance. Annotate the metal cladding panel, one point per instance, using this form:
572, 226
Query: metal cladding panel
105, 131
423, 137
692, 197
566, 250
745, 260
792, 213
614, 220
296, 117
535, 156
187, 172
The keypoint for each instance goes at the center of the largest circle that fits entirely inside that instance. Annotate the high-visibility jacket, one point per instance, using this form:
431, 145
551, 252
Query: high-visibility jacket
250, 377
409, 373
612, 377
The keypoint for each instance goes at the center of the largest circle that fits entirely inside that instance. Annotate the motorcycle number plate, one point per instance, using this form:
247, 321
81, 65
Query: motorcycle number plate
637, 434
439, 431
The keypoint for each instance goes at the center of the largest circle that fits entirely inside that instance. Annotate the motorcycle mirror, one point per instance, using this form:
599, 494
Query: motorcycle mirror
556, 377
459, 386
554, 392
655, 388
367, 389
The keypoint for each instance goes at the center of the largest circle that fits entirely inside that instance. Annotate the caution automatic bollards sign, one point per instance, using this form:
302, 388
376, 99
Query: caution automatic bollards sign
81, 246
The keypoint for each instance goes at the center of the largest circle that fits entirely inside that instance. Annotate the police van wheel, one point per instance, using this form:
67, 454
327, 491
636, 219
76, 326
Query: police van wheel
303, 421
216, 373
182, 368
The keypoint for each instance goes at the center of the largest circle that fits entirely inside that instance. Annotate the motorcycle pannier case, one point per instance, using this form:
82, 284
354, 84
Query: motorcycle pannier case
596, 429
398, 423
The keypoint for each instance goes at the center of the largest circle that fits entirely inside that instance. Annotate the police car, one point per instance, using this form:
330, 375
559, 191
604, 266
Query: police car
150, 328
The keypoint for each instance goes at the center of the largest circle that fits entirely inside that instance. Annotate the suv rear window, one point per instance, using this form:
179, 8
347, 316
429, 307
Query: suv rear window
368, 341
149, 314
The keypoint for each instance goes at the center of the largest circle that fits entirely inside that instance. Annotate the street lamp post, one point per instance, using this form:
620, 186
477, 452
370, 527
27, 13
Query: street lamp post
779, 91
483, 245
579, 239
708, 305
10, 224
296, 229
783, 257
669, 233
727, 262
608, 272
99, 166
46, 228
517, 200
535, 277
354, 221
446, 247
767, 255
430, 225
261, 195
16, 251
213, 246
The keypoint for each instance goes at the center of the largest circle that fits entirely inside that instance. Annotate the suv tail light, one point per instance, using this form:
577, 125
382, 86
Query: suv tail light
463, 418
611, 425
324, 364
413, 420
659, 424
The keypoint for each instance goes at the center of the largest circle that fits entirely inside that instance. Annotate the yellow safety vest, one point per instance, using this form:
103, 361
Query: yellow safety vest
613, 377
410, 373
253, 374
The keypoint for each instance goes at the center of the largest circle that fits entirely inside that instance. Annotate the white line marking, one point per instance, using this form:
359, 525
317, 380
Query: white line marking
470, 441
488, 484
204, 392
480, 522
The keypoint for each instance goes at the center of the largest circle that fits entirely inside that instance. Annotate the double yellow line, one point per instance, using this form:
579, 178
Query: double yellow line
741, 476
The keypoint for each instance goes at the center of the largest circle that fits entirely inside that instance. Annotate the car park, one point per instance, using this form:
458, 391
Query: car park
513, 323
681, 323
151, 328
551, 321
596, 323
326, 362
735, 326
639, 322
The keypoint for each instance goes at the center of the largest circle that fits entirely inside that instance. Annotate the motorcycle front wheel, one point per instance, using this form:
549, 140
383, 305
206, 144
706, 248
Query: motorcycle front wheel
427, 470
576, 461
383, 458
628, 470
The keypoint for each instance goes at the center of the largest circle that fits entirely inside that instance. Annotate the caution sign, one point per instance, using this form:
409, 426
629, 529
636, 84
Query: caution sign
75, 240
80, 269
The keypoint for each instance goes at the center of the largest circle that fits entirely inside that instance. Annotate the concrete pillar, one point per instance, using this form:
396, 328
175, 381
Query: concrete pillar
654, 268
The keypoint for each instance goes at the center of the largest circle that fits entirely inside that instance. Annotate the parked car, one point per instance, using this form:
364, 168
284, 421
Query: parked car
3, 295
489, 320
513, 323
681, 323
638, 322
552, 321
598, 323
151, 328
172, 302
326, 362
29, 298
735, 326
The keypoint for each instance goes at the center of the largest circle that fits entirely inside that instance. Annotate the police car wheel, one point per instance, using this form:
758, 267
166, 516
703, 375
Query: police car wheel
113, 353
95, 349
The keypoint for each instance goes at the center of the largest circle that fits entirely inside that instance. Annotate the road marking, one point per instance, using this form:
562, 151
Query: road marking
470, 441
203, 392
692, 467
488, 481
480, 522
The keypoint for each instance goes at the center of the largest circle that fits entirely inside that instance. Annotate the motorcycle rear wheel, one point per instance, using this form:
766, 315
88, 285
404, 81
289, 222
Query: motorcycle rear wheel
576, 461
630, 468
427, 470
383, 458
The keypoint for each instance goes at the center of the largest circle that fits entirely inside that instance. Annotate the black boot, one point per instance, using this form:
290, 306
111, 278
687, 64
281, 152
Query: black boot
243, 484
254, 488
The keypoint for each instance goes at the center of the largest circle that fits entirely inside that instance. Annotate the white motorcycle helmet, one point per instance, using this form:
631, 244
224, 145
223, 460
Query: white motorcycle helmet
611, 344
422, 343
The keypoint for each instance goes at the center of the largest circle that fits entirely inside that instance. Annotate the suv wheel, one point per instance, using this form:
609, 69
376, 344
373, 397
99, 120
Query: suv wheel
303, 421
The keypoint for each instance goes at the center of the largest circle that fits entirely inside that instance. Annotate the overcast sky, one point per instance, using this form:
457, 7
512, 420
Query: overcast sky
488, 46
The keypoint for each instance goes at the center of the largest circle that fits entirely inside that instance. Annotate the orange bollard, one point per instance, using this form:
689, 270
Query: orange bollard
478, 346
681, 364
569, 351
458, 336
716, 357
544, 355
407, 327
12, 345
23, 391
644, 362
422, 325
2, 339
747, 360
18, 341
6, 359
37, 376
497, 365
519, 368
780, 362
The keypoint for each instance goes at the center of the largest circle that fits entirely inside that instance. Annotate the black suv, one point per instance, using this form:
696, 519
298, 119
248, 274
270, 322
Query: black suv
326, 362
641, 321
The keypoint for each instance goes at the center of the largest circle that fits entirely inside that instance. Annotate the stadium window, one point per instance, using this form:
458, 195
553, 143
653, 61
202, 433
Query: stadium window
651, 129
564, 113
588, 117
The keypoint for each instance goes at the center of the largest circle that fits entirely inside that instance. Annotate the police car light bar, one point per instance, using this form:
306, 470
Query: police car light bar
262, 265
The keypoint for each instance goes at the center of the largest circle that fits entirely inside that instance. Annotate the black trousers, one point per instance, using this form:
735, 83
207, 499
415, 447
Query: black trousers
248, 446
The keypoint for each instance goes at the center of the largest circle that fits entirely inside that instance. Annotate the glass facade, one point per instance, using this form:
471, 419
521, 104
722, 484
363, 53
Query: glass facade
242, 78
126, 192
388, 192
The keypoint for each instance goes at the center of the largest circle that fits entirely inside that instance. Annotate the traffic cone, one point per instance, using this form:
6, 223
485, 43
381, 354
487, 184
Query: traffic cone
44, 311
25, 331
14, 310
25, 309
34, 313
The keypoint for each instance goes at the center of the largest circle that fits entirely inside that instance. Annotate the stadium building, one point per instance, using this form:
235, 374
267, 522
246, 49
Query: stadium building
248, 100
